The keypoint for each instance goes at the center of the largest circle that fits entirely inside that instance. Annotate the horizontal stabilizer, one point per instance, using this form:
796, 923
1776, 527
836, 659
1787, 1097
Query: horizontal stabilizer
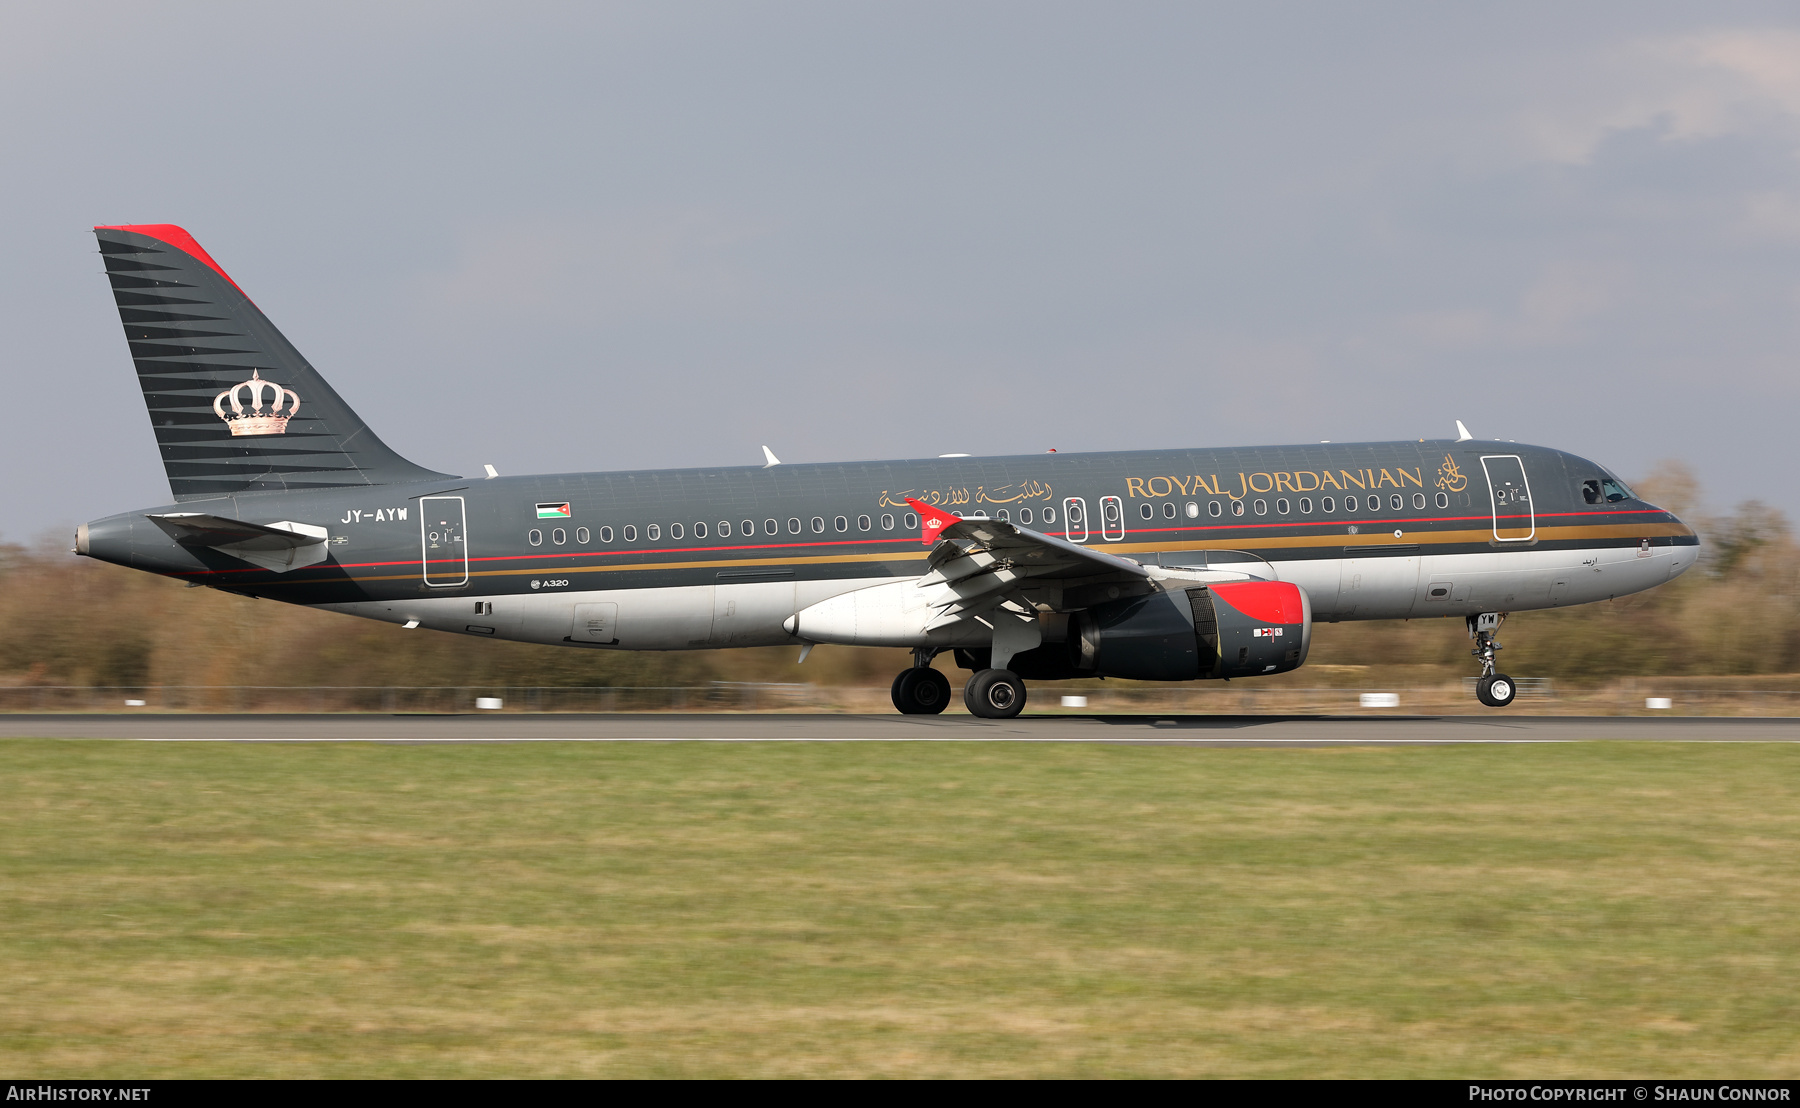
273, 546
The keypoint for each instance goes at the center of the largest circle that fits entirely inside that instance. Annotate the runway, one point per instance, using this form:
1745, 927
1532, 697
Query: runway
1184, 730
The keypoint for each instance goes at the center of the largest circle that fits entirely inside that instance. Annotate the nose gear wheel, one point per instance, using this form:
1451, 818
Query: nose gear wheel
1494, 689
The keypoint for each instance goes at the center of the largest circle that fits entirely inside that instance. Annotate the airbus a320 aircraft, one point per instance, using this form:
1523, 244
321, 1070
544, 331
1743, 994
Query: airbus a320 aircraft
1159, 565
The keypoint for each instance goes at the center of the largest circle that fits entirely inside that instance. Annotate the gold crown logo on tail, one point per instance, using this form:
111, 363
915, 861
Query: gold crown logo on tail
248, 416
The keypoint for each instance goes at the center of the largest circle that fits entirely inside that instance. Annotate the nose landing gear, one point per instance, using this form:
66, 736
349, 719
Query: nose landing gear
921, 690
1496, 690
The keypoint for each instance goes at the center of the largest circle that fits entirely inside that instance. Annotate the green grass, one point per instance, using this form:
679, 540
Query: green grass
890, 909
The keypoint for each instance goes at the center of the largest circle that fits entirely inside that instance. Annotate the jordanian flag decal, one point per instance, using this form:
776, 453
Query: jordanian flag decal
554, 511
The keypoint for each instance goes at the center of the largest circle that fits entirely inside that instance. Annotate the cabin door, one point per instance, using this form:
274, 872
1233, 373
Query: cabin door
445, 554
1515, 520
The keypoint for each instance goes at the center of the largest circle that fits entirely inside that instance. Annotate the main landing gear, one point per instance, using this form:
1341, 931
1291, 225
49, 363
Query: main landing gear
921, 690
990, 693
994, 694
1496, 690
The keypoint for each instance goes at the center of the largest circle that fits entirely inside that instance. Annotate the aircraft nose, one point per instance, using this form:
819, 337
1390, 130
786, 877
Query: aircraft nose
1685, 543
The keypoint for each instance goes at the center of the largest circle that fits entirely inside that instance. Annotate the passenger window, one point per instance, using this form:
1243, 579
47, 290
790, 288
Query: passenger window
911, 521
581, 535
1213, 509
606, 534
887, 523
1327, 504
1443, 501
1281, 506
653, 531
1049, 515
793, 525
1396, 503
747, 529
1146, 511
535, 537
675, 531
1418, 501
1262, 507
842, 523
1237, 507
559, 536
862, 523
1003, 516
699, 530
630, 533
1024, 515
1193, 510
1306, 505
1374, 503
1168, 509
818, 524
770, 527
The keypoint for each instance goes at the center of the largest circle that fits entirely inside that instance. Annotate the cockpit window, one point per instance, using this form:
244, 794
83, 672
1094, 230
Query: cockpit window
1615, 490
1590, 492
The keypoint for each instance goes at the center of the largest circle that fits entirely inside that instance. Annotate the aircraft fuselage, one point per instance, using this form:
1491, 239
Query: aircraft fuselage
701, 558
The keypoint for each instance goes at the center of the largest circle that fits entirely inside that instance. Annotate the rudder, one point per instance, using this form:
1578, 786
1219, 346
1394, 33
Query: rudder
234, 406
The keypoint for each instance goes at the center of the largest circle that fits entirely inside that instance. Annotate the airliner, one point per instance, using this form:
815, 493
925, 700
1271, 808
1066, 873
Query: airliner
1149, 565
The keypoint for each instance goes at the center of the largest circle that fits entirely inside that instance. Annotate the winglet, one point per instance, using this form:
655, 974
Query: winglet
1462, 433
932, 521
772, 460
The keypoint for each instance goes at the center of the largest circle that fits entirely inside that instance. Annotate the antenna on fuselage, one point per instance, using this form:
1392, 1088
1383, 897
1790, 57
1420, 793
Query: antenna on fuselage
772, 459
1462, 433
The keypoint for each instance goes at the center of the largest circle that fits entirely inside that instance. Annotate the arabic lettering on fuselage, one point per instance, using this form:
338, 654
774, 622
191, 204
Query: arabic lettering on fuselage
1302, 480
981, 494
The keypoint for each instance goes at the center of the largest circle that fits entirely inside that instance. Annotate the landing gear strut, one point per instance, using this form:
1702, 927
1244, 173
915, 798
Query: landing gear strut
921, 690
1494, 689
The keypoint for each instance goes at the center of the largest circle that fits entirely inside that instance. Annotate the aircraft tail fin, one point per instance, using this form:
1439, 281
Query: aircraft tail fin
234, 406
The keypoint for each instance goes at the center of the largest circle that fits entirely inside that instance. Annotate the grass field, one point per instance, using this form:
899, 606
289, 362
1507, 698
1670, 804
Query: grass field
892, 909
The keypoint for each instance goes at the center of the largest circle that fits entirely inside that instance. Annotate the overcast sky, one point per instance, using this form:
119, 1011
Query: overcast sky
591, 236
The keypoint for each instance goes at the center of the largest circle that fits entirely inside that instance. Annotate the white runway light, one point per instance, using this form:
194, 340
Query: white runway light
1662, 703
489, 703
1379, 700
1074, 701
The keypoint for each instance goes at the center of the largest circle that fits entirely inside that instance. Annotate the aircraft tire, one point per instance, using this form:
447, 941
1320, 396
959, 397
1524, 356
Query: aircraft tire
1497, 691
921, 692
995, 694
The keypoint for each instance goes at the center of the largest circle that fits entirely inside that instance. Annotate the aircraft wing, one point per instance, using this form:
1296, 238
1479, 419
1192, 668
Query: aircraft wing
976, 565
272, 546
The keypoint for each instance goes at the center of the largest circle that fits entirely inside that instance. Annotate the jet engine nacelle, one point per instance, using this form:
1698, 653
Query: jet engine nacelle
1240, 629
